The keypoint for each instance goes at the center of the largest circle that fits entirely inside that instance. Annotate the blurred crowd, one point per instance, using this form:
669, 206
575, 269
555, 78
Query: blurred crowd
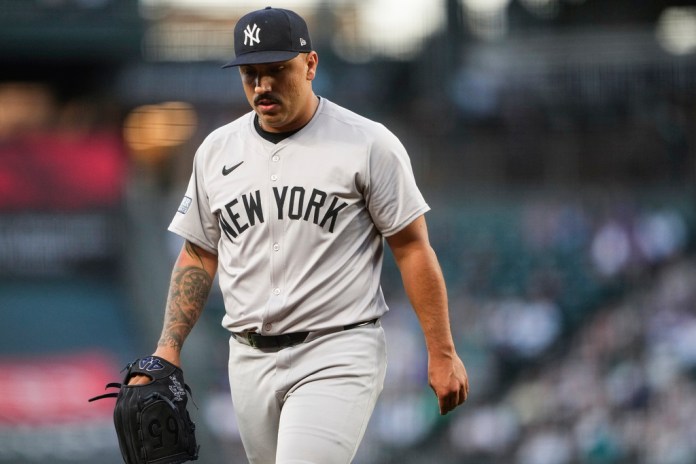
619, 389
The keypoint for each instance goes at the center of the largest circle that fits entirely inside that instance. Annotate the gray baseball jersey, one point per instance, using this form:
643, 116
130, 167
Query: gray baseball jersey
298, 226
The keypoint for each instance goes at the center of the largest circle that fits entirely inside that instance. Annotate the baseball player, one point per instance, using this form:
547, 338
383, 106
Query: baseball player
291, 205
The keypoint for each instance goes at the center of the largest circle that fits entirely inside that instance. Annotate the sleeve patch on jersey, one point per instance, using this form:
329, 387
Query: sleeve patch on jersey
184, 206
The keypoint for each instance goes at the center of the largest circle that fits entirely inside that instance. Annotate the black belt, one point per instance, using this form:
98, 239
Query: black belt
257, 340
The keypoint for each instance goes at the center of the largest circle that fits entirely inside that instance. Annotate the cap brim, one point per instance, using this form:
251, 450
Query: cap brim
261, 58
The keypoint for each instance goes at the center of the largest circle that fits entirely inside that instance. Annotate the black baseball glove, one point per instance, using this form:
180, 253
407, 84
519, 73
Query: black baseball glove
152, 422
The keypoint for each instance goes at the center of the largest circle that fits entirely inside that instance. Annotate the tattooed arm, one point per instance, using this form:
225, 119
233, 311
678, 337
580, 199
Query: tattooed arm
190, 283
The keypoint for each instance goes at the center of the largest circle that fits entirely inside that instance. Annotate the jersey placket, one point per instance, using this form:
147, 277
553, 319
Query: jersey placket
276, 227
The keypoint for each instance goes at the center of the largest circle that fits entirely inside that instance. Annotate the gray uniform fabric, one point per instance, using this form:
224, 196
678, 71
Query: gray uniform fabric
298, 226
309, 403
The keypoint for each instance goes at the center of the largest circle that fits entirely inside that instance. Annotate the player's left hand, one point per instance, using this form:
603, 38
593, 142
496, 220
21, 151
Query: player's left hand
448, 378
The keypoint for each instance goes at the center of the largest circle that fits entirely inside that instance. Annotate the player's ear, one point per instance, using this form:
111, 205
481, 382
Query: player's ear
312, 63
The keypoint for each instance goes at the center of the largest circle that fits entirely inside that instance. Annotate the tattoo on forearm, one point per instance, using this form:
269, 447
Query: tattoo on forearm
188, 294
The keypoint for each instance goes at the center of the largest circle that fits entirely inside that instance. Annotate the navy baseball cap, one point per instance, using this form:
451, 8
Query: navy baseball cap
268, 36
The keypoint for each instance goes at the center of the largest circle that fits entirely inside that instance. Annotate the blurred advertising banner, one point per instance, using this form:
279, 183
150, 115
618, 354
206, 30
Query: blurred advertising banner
61, 171
60, 193
47, 244
44, 412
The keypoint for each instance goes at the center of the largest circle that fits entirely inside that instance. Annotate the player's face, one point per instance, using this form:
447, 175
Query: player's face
281, 93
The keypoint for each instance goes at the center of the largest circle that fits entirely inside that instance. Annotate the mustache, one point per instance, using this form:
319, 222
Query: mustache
267, 97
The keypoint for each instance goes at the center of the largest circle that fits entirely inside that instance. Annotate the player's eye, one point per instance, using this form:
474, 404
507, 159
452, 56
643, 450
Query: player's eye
248, 73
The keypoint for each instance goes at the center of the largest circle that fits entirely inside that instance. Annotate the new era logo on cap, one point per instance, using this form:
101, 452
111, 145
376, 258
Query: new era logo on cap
268, 36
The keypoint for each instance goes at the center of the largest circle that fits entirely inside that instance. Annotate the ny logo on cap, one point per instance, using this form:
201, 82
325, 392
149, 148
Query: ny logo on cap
252, 34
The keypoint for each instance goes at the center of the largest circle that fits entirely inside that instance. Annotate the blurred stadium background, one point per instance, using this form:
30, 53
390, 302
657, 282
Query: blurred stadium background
554, 139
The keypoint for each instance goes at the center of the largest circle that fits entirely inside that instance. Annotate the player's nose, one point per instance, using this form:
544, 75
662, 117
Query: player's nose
262, 84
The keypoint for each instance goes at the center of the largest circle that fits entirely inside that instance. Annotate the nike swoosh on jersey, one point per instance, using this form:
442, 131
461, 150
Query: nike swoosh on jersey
226, 170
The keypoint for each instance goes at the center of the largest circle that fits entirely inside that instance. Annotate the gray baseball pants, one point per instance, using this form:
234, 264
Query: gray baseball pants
309, 403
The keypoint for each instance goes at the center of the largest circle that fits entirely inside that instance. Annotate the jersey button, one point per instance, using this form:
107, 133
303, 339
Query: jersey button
267, 326
274, 177
276, 247
276, 291
275, 158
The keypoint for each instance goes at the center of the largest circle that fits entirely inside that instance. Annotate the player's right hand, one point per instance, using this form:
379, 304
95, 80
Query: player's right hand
170, 355
139, 380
